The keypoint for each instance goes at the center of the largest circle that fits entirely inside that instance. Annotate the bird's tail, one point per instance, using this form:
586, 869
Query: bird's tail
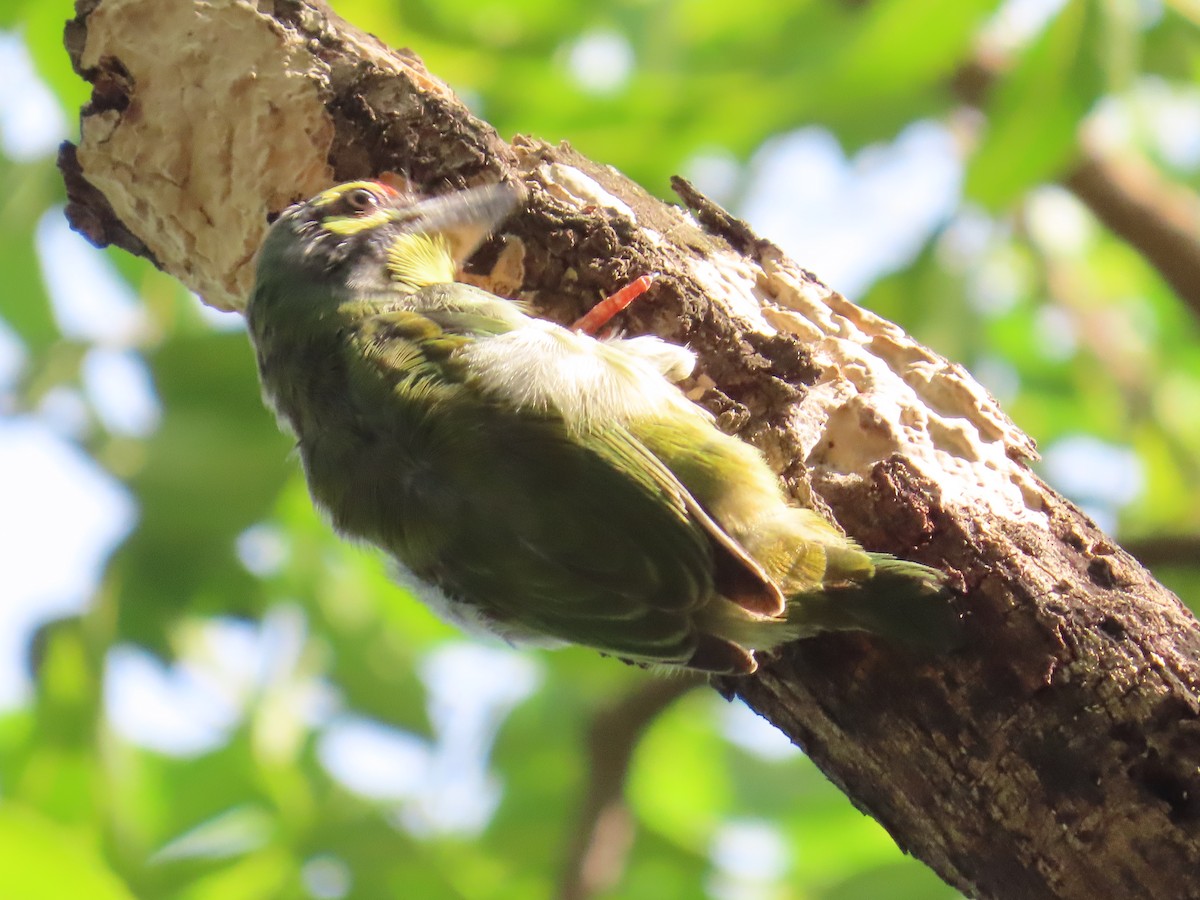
902, 601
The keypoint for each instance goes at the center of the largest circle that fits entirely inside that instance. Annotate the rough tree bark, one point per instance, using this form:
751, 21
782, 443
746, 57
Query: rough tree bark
1056, 755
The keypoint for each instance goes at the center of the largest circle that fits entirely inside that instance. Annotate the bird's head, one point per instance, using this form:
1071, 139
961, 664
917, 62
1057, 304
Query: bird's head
369, 236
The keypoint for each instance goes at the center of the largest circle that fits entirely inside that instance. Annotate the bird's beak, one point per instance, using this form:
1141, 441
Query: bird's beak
465, 217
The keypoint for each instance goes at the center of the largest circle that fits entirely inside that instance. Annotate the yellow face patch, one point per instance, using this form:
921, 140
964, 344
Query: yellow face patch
354, 207
325, 198
348, 225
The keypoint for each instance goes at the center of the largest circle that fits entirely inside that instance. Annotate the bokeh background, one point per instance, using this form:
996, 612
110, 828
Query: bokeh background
204, 694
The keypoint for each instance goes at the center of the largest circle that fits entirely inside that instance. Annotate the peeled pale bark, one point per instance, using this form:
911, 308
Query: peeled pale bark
1057, 754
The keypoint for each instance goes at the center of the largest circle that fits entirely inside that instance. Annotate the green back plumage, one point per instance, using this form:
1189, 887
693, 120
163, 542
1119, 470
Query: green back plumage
543, 482
505, 506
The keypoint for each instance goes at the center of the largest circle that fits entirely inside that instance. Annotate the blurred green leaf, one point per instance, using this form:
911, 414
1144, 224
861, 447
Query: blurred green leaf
57, 770
42, 26
43, 861
269, 873
679, 784
896, 881
13, 13
213, 468
1034, 111
24, 304
1184, 581
660, 867
1170, 47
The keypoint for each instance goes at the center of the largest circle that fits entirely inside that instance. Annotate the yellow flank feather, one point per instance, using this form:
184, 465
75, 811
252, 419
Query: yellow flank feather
419, 259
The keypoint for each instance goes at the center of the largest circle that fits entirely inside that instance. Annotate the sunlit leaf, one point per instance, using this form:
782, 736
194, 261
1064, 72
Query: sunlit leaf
680, 784
24, 304
42, 27
1034, 111
57, 770
43, 861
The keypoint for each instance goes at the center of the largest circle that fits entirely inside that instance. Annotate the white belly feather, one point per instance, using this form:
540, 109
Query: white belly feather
543, 366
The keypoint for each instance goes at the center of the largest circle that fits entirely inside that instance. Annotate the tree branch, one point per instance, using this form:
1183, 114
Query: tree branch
603, 834
1158, 218
1057, 755
1166, 550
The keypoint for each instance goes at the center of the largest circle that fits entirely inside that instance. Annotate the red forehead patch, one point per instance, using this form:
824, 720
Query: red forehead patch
388, 189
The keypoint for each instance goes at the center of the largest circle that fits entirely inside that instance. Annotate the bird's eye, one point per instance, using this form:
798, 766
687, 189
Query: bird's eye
361, 199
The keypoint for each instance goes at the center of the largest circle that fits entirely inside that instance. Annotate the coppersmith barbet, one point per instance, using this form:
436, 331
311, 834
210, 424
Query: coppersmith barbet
533, 479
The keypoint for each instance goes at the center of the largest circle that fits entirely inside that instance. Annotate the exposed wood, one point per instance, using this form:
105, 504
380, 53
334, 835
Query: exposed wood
1056, 755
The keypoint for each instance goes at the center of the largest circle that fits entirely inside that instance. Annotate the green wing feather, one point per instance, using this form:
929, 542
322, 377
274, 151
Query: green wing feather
583, 535
663, 541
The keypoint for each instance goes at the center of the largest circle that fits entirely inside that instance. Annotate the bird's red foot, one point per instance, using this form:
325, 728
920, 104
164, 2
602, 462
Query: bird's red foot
602, 313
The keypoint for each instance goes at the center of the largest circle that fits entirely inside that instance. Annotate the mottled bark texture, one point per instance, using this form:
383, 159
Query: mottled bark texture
1057, 754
